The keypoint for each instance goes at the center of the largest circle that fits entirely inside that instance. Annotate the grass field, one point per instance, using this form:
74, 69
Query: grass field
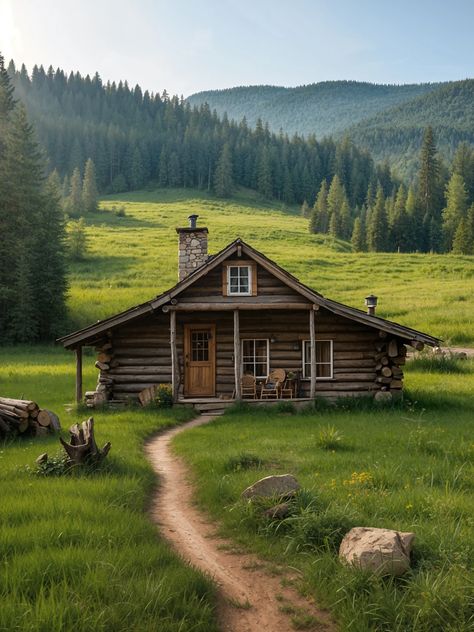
78, 553
133, 258
409, 469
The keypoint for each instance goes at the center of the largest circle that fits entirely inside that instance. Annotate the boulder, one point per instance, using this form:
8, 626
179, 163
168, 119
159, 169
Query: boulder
381, 551
278, 512
280, 486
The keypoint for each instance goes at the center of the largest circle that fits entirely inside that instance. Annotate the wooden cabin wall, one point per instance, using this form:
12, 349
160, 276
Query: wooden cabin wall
141, 354
209, 289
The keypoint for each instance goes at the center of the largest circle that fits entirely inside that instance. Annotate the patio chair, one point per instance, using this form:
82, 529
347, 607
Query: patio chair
248, 387
272, 385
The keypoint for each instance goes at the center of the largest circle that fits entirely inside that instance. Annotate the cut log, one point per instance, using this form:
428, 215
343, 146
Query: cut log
53, 420
103, 366
386, 371
416, 344
104, 358
43, 418
19, 403
393, 348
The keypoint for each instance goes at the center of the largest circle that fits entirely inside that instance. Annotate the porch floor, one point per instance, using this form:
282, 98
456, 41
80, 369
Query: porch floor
216, 405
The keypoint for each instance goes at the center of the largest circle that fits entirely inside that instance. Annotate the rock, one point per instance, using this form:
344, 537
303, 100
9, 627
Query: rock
278, 512
273, 486
383, 397
382, 551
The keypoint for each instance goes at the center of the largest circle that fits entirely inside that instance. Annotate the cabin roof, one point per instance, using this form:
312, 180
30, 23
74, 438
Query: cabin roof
92, 332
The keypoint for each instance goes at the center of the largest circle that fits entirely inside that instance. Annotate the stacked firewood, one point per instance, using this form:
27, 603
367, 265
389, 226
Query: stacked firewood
104, 381
20, 416
390, 357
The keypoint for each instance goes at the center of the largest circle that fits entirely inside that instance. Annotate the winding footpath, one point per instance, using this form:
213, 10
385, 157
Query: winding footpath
253, 596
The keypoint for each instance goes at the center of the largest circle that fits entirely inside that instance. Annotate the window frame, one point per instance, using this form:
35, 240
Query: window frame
254, 340
250, 280
331, 363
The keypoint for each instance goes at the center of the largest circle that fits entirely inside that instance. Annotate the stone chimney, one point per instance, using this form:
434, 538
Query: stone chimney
192, 247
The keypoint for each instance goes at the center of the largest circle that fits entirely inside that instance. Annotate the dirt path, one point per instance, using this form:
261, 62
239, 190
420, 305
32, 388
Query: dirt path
254, 596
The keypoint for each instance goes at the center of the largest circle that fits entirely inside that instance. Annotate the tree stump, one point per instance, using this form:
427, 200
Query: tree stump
82, 447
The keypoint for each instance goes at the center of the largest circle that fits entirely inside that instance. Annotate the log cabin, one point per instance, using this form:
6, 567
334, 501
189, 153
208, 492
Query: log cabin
238, 313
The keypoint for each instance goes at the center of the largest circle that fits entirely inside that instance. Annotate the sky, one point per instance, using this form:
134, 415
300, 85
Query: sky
186, 46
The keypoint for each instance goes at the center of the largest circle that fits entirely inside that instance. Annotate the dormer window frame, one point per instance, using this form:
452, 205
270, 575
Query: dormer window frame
228, 266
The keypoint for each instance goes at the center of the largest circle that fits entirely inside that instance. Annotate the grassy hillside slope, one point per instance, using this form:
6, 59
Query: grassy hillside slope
133, 258
322, 108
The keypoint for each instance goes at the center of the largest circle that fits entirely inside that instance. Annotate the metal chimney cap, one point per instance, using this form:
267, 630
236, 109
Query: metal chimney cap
192, 220
371, 300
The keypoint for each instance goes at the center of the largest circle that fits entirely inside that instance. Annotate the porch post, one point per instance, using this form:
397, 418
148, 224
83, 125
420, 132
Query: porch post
238, 393
78, 352
174, 356
312, 337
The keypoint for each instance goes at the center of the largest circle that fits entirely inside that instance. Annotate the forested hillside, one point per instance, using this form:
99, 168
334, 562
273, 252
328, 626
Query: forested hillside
396, 134
388, 121
322, 109
134, 138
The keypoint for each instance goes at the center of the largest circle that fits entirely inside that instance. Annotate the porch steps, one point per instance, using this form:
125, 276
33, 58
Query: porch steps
214, 408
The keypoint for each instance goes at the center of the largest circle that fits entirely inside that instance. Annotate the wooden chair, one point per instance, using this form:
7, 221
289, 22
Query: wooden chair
248, 387
287, 389
271, 387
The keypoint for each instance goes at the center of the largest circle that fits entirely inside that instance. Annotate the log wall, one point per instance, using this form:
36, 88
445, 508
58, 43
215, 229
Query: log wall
140, 353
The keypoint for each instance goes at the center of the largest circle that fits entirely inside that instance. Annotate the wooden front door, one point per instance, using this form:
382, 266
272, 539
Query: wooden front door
200, 360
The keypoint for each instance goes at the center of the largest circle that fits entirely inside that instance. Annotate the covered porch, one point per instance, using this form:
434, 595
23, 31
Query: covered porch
211, 349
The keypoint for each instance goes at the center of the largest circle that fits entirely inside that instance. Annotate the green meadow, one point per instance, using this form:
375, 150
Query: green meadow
79, 552
409, 468
133, 258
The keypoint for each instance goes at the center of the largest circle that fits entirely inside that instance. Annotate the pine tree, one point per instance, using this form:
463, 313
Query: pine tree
25, 203
399, 223
429, 191
90, 194
455, 210
415, 222
462, 242
305, 210
337, 202
377, 224
77, 245
358, 236
319, 218
74, 206
264, 175
223, 179
334, 225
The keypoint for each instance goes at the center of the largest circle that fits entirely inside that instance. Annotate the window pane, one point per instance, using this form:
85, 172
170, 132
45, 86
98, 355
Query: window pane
244, 272
261, 369
323, 351
323, 370
244, 286
261, 349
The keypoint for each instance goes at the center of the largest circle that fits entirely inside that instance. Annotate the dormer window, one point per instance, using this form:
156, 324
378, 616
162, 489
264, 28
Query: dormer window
239, 278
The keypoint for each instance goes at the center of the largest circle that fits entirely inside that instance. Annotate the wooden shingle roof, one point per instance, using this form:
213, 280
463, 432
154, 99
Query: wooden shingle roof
88, 334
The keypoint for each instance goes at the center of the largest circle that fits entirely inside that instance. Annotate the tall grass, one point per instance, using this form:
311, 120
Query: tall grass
410, 468
79, 552
434, 293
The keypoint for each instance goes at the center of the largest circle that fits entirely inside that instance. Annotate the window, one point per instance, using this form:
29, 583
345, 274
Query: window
324, 357
239, 280
255, 357
200, 346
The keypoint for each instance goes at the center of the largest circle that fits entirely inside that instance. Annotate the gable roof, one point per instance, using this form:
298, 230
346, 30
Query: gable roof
92, 332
